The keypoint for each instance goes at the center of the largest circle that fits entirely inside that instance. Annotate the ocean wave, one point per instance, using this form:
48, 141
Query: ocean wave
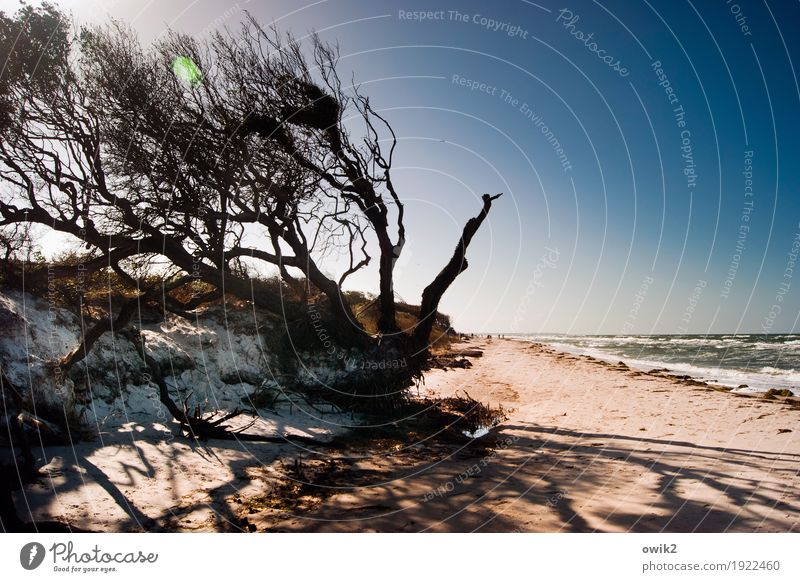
734, 371
788, 347
791, 372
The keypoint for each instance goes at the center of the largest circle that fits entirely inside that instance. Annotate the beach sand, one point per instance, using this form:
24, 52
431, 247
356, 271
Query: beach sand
588, 446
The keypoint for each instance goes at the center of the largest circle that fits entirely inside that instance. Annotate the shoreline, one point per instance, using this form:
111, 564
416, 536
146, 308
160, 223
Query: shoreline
634, 365
755, 381
587, 446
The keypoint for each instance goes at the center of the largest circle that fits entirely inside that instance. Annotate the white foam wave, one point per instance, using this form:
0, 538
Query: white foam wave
759, 380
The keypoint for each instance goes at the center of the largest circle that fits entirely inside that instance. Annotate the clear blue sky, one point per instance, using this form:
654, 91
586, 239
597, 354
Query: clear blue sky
608, 235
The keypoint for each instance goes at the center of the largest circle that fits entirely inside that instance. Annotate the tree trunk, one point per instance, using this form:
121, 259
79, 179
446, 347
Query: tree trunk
331, 289
95, 332
387, 321
457, 265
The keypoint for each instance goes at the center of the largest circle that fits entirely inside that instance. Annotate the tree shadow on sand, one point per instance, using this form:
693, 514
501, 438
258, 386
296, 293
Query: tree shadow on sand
579, 463
534, 478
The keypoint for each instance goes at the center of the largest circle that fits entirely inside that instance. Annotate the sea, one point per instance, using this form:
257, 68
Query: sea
746, 363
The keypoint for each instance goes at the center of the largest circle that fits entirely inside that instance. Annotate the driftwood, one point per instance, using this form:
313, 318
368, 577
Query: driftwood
204, 426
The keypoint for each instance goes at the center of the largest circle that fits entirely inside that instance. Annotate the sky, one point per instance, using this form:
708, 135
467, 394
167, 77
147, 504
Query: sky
647, 151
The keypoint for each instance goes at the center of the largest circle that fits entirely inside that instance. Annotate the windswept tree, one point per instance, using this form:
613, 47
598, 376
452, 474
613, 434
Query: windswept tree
203, 159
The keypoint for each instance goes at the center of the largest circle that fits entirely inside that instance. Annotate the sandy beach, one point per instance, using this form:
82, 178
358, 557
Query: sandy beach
587, 446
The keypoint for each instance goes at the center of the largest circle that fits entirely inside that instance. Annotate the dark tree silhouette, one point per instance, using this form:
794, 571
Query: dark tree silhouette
204, 156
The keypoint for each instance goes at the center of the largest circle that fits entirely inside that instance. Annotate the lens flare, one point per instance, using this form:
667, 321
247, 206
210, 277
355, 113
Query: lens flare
186, 70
